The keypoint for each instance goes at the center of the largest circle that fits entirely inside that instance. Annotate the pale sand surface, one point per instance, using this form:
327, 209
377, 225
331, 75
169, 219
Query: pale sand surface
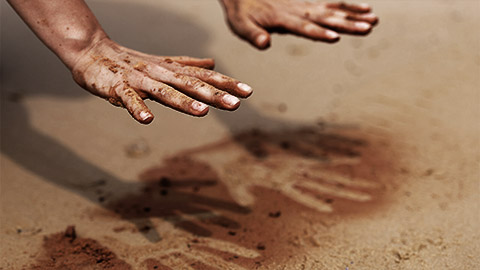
396, 185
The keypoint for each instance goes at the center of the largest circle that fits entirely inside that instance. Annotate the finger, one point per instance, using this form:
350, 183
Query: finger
359, 8
186, 60
193, 87
217, 80
343, 25
169, 96
135, 105
207, 63
368, 17
204, 92
305, 28
251, 32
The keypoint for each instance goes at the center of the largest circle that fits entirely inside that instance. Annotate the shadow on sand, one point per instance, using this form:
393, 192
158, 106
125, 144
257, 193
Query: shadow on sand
182, 186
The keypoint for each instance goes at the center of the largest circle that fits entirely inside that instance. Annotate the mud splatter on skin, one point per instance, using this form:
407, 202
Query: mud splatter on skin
110, 64
65, 250
351, 173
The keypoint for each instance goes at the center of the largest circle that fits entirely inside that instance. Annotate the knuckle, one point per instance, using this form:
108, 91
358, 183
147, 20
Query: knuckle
339, 13
115, 101
207, 74
181, 77
196, 83
329, 13
219, 94
140, 66
162, 91
116, 88
131, 94
308, 27
199, 72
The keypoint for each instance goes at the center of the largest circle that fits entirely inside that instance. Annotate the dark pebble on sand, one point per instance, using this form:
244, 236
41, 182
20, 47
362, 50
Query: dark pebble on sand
261, 246
275, 214
165, 182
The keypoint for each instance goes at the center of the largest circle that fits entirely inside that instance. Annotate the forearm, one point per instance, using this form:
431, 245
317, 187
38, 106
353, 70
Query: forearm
67, 27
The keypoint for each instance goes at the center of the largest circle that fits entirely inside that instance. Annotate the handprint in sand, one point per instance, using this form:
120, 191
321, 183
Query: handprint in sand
200, 208
312, 165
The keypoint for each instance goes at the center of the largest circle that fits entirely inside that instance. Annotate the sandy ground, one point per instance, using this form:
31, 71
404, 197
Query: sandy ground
359, 155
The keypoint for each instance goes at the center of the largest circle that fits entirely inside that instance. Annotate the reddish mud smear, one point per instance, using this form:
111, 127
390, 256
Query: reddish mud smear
375, 165
371, 160
285, 234
277, 225
308, 142
174, 189
378, 166
65, 250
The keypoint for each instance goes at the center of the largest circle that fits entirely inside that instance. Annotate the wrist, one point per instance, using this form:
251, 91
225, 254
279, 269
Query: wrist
75, 49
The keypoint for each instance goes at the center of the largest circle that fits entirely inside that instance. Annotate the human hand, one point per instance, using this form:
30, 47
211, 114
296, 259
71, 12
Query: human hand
126, 77
252, 20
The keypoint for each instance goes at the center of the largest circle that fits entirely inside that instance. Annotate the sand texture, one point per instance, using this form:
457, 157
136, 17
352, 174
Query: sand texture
360, 155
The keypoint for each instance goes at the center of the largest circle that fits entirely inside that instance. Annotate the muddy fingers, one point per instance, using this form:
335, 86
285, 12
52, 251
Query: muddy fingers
217, 80
170, 97
135, 105
206, 63
125, 77
195, 88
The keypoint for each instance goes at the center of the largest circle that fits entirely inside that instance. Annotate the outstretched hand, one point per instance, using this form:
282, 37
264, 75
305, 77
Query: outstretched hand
252, 20
126, 77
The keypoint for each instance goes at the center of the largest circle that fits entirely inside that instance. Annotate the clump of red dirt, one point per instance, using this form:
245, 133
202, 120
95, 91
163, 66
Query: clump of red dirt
65, 250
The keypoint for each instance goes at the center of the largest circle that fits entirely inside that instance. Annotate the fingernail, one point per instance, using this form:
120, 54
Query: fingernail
261, 39
364, 5
199, 106
244, 87
362, 25
145, 115
369, 15
230, 100
331, 34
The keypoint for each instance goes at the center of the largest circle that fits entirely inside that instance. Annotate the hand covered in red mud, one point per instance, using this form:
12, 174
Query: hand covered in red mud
126, 77
252, 20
